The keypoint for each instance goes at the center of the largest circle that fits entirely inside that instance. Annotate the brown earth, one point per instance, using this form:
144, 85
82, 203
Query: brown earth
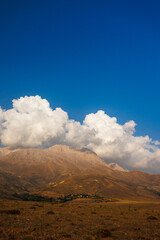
80, 220
62, 170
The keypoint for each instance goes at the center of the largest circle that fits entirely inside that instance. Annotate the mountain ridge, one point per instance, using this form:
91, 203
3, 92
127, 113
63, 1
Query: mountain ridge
62, 169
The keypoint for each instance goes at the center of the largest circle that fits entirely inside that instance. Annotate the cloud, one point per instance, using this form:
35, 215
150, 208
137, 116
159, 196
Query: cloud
33, 123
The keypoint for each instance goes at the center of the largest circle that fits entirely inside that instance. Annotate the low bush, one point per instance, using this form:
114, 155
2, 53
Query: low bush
12, 211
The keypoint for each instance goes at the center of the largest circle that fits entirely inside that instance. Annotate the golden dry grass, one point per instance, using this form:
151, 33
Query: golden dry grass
86, 219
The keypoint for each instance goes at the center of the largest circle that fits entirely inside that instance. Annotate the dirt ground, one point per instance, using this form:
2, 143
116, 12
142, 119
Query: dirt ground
79, 219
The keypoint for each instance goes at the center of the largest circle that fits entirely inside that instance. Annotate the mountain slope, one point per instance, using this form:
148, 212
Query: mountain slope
63, 170
115, 166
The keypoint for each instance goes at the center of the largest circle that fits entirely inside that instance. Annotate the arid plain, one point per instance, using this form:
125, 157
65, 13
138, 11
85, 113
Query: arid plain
79, 219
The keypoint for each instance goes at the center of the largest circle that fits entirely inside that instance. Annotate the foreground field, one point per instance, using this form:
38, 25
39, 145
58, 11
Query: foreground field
79, 219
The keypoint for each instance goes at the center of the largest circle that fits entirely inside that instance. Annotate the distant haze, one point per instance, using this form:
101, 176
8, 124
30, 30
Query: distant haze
33, 123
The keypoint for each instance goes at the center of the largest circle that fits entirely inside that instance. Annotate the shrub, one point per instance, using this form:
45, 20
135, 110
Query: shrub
152, 218
12, 211
50, 212
103, 233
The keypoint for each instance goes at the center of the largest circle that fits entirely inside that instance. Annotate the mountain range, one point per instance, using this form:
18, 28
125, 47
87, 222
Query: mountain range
62, 170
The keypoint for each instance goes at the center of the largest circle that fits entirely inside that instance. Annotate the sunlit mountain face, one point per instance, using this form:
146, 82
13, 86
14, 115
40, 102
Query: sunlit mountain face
62, 170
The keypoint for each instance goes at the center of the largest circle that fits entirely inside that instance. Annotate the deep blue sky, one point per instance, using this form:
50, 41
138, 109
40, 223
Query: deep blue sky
84, 56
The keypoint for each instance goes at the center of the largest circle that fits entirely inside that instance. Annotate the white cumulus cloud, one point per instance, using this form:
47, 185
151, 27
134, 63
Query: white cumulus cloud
33, 123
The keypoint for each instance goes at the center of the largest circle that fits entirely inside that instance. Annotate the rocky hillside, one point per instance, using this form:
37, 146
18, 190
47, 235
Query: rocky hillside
62, 170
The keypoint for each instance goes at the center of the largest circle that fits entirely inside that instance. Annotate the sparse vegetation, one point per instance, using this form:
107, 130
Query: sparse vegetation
50, 212
62, 199
79, 219
12, 212
152, 218
103, 233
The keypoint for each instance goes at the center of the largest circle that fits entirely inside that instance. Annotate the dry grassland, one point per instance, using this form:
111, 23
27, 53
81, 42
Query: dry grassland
79, 219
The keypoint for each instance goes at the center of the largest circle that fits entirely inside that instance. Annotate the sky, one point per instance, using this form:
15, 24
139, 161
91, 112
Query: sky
84, 56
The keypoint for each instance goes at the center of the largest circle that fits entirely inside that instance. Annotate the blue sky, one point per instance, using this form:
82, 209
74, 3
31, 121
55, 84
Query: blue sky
84, 56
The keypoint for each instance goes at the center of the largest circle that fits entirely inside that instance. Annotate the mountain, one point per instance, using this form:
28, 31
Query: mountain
62, 170
115, 166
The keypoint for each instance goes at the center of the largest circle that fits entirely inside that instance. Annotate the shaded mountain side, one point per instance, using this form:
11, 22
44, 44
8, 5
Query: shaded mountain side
99, 185
63, 170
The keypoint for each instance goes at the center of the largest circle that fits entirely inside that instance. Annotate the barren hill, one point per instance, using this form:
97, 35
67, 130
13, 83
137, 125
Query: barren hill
62, 170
